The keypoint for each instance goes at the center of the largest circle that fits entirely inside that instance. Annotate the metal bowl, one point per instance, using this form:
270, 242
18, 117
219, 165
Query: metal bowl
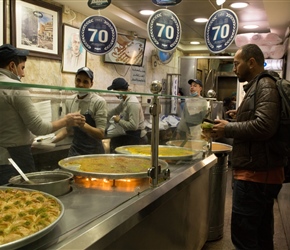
56, 183
35, 236
68, 164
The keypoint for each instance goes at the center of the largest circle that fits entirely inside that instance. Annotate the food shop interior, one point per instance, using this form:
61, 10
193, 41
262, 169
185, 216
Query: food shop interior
172, 192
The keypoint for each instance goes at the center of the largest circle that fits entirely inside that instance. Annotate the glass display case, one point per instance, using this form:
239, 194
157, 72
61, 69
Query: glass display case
95, 202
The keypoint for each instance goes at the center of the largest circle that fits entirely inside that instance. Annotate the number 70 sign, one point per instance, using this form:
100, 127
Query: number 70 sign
164, 30
98, 35
220, 30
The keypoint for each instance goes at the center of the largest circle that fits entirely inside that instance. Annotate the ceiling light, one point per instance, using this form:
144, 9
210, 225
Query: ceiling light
146, 12
239, 5
195, 42
220, 2
251, 26
200, 20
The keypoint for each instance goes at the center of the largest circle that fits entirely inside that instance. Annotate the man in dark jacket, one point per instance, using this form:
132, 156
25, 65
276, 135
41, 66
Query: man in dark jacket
256, 162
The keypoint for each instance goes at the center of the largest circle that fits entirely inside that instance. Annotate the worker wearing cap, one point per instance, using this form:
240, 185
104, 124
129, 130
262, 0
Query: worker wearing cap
20, 120
188, 120
129, 115
87, 139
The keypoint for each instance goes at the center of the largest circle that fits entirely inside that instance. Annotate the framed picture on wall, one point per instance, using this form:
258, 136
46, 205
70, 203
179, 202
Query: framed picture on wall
74, 54
2, 22
36, 26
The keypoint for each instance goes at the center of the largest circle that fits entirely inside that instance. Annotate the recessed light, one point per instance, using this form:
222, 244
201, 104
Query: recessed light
239, 5
220, 2
195, 42
249, 27
146, 12
200, 20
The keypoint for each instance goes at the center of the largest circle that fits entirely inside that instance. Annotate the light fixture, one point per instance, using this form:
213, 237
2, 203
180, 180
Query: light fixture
195, 42
200, 20
146, 12
250, 26
220, 2
239, 5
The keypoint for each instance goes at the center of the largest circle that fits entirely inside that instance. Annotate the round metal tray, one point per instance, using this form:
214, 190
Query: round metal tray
33, 237
75, 169
217, 147
171, 154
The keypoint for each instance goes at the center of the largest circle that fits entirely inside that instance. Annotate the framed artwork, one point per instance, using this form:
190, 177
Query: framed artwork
74, 53
36, 26
2, 22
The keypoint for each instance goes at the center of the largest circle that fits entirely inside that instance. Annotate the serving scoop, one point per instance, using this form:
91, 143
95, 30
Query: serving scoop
19, 171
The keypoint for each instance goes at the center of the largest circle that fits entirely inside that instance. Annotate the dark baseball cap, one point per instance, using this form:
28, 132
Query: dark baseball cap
119, 84
8, 51
196, 81
87, 71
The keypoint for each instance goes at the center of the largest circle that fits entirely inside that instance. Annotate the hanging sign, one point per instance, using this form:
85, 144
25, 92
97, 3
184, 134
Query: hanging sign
166, 2
98, 35
98, 4
220, 30
165, 57
164, 30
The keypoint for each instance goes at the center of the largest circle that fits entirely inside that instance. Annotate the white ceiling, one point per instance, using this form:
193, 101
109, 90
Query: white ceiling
270, 15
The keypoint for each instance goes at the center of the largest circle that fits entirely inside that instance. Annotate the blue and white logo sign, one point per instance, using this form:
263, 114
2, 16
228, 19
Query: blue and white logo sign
166, 2
220, 30
98, 35
99, 4
164, 30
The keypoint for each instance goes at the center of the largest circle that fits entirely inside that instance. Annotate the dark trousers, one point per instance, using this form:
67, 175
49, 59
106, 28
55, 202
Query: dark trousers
23, 157
252, 224
131, 138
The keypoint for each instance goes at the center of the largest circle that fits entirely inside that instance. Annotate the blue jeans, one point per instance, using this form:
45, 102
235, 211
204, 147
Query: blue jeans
252, 224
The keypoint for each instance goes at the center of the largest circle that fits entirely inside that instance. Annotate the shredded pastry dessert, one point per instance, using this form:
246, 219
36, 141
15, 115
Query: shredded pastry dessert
23, 213
162, 151
110, 165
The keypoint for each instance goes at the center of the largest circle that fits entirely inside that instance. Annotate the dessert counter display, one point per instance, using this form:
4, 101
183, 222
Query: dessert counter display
128, 213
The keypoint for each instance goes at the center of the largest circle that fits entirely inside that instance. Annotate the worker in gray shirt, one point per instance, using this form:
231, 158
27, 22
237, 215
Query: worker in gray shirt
193, 115
129, 115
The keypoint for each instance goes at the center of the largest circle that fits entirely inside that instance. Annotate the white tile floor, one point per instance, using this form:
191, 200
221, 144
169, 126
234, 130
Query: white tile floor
226, 244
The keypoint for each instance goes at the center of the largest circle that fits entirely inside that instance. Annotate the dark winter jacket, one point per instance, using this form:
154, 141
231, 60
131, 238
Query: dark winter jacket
255, 145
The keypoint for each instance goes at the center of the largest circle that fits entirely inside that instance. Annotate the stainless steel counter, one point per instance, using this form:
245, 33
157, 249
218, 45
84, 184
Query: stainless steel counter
104, 219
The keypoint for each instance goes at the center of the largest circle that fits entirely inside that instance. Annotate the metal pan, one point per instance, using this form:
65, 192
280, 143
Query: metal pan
35, 236
73, 165
203, 145
165, 152
56, 183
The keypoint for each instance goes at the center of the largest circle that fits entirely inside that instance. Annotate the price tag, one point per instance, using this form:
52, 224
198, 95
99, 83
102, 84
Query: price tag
98, 35
220, 30
164, 30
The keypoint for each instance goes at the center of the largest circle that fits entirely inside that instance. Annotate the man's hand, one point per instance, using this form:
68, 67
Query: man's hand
232, 113
75, 120
116, 118
218, 130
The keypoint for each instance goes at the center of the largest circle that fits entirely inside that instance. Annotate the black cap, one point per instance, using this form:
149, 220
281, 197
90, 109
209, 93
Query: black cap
87, 71
119, 84
7, 52
196, 81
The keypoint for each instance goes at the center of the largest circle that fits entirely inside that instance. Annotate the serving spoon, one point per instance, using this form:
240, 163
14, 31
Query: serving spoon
19, 171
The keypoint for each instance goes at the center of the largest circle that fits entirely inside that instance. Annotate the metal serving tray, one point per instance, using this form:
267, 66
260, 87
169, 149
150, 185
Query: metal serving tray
33, 237
171, 154
65, 164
